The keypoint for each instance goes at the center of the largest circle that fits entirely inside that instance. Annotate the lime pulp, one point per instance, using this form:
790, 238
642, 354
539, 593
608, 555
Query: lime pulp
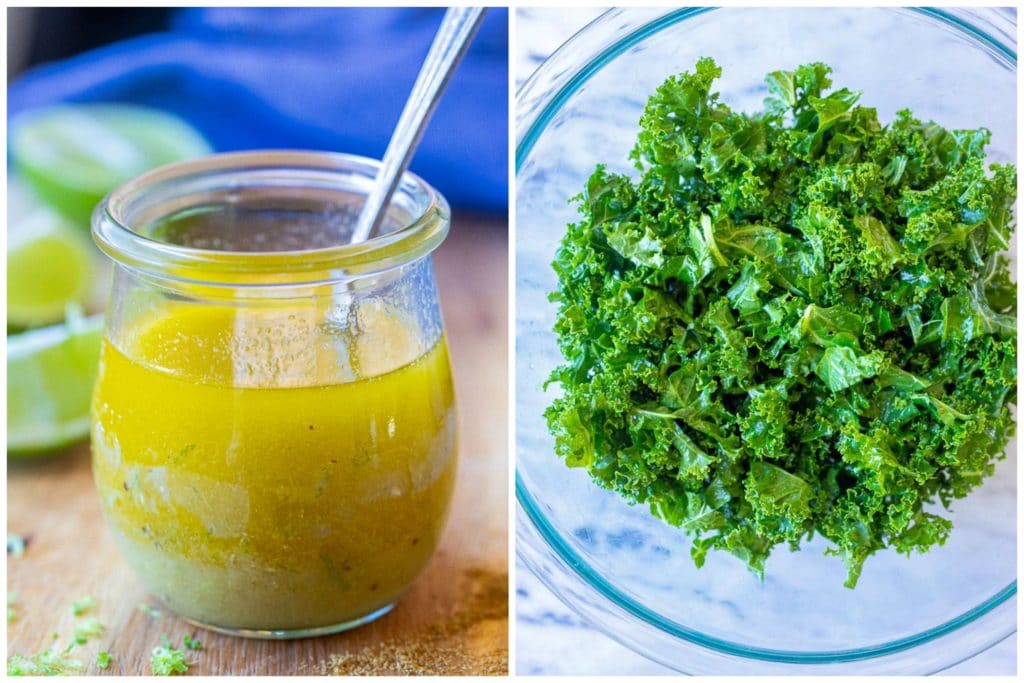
74, 154
50, 262
50, 375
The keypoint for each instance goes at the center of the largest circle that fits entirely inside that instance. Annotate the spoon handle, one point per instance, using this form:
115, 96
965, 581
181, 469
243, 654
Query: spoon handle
450, 44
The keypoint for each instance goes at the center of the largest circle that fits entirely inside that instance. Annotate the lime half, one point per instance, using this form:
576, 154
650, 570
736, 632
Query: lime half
50, 374
49, 262
74, 154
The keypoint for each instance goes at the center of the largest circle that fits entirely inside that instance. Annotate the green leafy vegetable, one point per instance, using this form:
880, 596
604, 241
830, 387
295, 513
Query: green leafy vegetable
791, 322
90, 627
167, 660
53, 662
49, 662
149, 610
82, 605
104, 659
192, 644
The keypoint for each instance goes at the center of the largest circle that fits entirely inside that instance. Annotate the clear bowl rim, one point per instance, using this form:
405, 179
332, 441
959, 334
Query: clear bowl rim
529, 128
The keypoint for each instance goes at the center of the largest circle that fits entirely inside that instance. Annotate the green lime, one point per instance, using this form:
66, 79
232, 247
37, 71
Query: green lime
50, 373
74, 154
50, 263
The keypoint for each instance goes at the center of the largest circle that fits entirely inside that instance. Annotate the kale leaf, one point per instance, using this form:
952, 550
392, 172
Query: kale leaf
792, 322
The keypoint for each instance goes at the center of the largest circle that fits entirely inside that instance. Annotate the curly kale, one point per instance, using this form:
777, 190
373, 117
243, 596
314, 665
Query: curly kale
793, 322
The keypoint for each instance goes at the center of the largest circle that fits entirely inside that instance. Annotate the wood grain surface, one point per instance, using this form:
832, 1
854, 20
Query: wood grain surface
454, 620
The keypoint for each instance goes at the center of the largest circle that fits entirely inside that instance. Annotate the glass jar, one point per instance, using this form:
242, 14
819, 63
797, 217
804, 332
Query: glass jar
273, 425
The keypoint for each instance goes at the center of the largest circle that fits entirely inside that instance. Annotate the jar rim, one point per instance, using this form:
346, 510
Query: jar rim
129, 247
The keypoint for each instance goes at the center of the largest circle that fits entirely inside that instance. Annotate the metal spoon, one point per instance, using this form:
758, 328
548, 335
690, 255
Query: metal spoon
450, 44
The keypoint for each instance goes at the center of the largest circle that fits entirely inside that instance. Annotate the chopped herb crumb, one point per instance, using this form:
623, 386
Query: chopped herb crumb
82, 605
167, 660
192, 644
149, 610
56, 662
104, 659
49, 662
90, 627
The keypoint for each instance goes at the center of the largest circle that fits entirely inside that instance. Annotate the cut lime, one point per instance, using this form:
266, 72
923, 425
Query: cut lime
49, 262
74, 154
50, 373
50, 265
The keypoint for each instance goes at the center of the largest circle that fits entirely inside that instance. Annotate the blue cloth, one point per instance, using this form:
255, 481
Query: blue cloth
312, 78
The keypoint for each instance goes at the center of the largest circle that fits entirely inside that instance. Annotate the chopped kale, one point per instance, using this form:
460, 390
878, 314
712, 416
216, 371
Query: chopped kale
795, 321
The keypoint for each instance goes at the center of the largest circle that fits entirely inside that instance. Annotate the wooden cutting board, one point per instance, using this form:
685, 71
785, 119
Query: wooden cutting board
454, 620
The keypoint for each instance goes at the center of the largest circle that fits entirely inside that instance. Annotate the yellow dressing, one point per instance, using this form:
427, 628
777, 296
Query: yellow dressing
270, 469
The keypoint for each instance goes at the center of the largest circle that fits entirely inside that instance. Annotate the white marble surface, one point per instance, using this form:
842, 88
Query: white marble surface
551, 639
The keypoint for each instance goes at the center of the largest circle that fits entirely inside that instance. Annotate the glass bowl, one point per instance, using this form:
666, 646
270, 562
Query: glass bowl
630, 574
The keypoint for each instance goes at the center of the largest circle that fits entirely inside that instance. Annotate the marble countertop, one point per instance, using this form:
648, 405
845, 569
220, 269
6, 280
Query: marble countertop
551, 639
